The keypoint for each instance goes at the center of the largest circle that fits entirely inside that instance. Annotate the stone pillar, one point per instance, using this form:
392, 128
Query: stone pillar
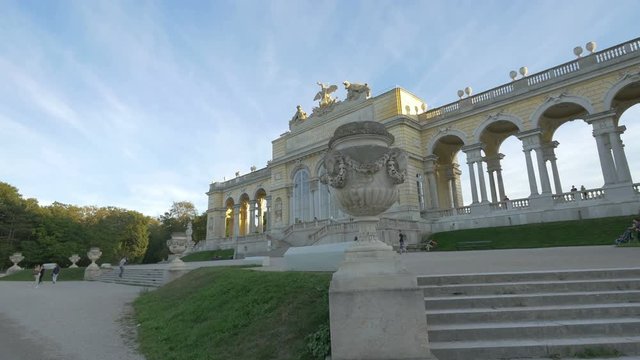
430, 174
603, 123
313, 191
492, 186
529, 140
542, 171
549, 155
260, 224
474, 155
622, 166
269, 217
483, 187
500, 185
252, 216
236, 221
472, 178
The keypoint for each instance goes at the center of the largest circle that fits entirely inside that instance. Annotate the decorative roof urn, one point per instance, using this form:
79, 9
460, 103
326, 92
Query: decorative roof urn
15, 259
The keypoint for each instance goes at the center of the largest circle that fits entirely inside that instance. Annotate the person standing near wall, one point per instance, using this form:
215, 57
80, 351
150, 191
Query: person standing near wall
121, 264
401, 242
36, 276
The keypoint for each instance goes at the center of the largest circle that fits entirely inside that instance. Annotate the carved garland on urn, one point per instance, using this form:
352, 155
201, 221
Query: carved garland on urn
338, 163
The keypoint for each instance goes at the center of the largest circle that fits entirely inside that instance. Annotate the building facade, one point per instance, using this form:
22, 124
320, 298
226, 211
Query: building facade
287, 204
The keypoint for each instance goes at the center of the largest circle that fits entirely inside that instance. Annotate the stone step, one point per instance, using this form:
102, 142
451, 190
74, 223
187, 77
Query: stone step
540, 348
136, 277
551, 329
528, 287
529, 276
540, 299
532, 313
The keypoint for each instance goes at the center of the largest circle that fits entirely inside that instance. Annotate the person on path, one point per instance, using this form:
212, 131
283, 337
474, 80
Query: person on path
36, 275
41, 274
401, 242
121, 265
54, 273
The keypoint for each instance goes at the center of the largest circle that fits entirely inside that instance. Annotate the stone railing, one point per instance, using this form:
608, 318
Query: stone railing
249, 177
463, 210
305, 225
540, 79
333, 228
519, 203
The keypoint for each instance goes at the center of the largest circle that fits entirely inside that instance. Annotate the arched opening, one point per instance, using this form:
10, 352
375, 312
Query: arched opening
447, 173
499, 143
260, 214
569, 151
625, 100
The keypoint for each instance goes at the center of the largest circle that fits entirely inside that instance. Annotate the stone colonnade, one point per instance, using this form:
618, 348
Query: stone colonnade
613, 162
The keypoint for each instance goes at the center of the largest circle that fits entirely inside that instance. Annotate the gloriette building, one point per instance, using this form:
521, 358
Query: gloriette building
288, 204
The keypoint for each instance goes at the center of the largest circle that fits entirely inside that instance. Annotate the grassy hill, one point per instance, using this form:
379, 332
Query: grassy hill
564, 233
234, 313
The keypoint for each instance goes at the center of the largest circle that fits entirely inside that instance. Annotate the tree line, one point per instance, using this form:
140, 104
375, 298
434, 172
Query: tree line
51, 233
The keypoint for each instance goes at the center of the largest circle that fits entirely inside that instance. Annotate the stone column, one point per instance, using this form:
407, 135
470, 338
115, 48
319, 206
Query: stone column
269, 217
252, 217
549, 155
483, 187
430, 174
493, 167
474, 155
472, 178
260, 217
542, 171
622, 166
603, 123
529, 140
492, 186
313, 190
500, 185
236, 221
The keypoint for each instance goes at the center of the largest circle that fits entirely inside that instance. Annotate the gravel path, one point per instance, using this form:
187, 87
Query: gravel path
73, 320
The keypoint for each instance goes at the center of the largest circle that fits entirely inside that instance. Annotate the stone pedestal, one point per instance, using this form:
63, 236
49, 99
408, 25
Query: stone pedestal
376, 308
619, 192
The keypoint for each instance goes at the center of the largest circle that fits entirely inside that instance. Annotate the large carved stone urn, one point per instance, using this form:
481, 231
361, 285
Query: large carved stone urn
363, 171
376, 308
15, 259
93, 271
177, 245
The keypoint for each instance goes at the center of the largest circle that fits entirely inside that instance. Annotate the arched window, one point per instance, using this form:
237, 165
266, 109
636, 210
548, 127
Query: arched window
328, 208
301, 196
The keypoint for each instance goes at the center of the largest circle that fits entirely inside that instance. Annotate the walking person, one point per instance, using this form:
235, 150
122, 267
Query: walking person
36, 275
41, 274
401, 242
54, 273
121, 266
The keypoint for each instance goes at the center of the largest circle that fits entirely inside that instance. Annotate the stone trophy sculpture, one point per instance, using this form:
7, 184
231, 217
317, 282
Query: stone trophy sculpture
376, 308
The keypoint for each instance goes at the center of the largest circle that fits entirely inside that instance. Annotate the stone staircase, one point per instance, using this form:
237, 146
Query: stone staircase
534, 315
133, 276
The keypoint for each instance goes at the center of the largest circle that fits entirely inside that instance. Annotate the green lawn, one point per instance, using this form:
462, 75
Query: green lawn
230, 313
209, 255
565, 233
66, 274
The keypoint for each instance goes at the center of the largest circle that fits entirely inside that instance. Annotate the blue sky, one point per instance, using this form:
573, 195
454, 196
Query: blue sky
140, 103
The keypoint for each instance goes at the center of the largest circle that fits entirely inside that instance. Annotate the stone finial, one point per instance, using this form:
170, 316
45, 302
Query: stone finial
74, 259
513, 74
577, 51
524, 71
15, 259
468, 90
253, 168
591, 46
460, 93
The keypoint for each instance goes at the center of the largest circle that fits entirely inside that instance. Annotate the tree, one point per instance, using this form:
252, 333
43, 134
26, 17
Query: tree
18, 219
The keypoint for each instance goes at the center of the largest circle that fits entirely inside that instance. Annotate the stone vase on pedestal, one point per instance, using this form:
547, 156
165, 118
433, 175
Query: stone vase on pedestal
74, 259
177, 245
15, 259
376, 308
92, 272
